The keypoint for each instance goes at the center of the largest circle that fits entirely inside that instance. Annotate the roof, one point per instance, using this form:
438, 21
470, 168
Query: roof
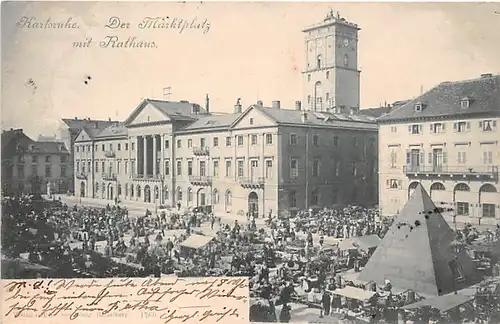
445, 100
17, 135
442, 303
78, 123
49, 148
195, 241
355, 293
417, 252
213, 121
117, 129
174, 110
322, 119
375, 112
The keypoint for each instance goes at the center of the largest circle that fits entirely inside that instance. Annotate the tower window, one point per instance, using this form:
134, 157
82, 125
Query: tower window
308, 77
327, 96
328, 74
346, 60
318, 61
309, 99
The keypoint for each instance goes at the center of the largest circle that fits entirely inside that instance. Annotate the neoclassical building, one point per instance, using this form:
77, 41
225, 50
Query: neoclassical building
261, 159
448, 140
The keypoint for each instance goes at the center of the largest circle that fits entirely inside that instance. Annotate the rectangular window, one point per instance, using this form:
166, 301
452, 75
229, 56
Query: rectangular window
179, 143
63, 170
77, 148
461, 127
167, 144
190, 168
269, 169
126, 167
34, 159
111, 146
190, 143
102, 167
103, 147
216, 168
179, 167
133, 146
487, 125
462, 208
269, 139
489, 210
96, 166
20, 171
394, 159
394, 183
415, 129
461, 158
47, 159
48, 171
228, 141
167, 168
119, 147
77, 166
132, 166
118, 163
315, 140
335, 141
354, 169
394, 129
241, 169
126, 146
253, 139
203, 168
293, 139
228, 168
251, 121
96, 148
487, 157
294, 168
315, 169
202, 142
239, 140
216, 141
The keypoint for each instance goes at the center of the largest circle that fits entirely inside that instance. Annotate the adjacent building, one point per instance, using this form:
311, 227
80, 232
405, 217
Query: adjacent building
263, 159
30, 166
447, 140
70, 128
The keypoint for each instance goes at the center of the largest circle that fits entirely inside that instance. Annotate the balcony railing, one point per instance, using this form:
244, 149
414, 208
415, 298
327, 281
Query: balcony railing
200, 180
109, 176
147, 176
201, 150
252, 182
479, 172
109, 154
81, 175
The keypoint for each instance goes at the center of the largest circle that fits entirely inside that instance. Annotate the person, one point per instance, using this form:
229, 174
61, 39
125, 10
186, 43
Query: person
326, 303
212, 221
178, 205
285, 315
170, 246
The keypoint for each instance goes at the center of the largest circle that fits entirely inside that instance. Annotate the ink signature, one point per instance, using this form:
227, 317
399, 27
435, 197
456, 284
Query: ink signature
129, 297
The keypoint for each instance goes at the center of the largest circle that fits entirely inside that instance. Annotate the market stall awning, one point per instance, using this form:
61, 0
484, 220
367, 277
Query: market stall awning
195, 241
355, 293
442, 303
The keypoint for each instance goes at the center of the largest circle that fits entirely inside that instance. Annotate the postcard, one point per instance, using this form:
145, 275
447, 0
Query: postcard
236, 162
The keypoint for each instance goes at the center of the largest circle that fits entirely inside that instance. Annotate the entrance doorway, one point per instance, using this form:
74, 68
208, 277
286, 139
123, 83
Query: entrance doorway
253, 204
110, 192
82, 189
202, 198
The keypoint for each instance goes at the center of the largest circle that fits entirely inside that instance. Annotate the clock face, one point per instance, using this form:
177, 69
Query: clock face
346, 42
320, 43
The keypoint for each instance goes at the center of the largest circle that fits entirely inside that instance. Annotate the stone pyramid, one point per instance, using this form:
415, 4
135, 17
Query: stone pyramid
417, 252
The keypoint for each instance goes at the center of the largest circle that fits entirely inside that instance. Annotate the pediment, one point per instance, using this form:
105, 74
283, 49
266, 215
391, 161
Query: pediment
146, 113
253, 117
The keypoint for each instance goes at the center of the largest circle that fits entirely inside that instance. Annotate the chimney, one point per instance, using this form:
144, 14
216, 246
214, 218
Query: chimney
207, 103
304, 116
486, 75
298, 105
276, 104
76, 118
260, 103
109, 118
237, 106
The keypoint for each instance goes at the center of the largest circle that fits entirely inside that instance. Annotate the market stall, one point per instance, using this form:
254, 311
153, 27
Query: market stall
194, 243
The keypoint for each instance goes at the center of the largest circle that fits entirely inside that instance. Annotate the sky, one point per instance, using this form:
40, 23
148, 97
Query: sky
252, 51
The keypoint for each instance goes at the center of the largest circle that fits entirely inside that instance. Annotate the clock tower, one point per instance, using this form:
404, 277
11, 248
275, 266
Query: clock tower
331, 76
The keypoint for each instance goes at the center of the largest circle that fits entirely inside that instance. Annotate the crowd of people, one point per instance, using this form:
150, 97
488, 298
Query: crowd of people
292, 261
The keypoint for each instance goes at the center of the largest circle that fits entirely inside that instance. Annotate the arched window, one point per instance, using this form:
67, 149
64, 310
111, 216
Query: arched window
216, 196
487, 188
157, 192
126, 190
138, 191
165, 194
437, 186
190, 194
229, 198
132, 191
317, 95
119, 189
103, 188
292, 199
318, 61
179, 194
346, 60
462, 187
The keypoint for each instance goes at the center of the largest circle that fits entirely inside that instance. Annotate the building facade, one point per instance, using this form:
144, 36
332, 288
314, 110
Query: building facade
447, 140
331, 77
30, 166
264, 159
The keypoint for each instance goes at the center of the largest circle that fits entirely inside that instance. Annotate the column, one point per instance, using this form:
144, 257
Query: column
162, 168
145, 155
137, 159
154, 155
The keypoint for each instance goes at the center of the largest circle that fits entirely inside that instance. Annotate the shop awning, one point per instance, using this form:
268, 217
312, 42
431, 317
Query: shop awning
355, 293
442, 303
195, 241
